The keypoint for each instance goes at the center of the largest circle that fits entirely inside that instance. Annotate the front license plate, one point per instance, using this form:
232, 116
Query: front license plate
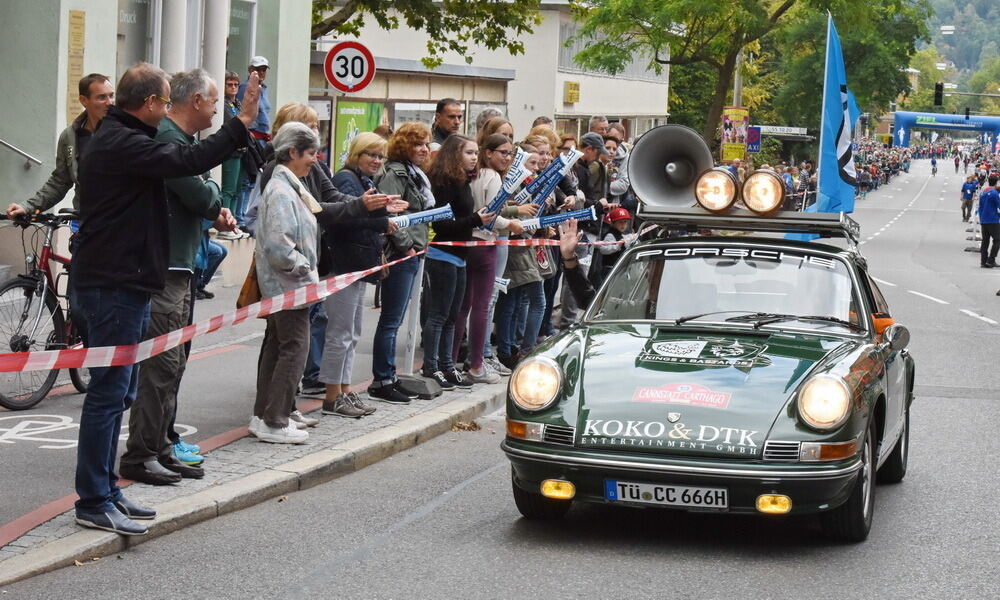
669, 495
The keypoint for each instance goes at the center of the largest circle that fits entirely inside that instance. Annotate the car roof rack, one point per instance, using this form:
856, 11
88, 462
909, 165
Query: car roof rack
825, 225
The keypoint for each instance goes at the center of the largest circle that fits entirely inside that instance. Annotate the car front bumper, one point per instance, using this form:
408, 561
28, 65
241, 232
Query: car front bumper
811, 487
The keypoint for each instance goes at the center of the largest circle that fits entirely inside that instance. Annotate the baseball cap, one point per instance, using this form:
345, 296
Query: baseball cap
594, 140
259, 61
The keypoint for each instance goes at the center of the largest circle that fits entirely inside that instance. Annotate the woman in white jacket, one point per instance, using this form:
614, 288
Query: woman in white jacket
286, 260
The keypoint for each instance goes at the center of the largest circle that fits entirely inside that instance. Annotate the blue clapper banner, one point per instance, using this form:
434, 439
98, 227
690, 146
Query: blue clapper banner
837, 177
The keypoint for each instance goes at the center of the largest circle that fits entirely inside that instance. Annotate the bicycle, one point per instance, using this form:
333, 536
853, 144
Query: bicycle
31, 316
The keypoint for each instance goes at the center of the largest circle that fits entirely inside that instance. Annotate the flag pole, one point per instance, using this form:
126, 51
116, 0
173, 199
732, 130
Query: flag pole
822, 109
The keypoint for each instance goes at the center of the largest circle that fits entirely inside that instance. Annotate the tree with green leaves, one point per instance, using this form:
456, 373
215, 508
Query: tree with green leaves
700, 39
450, 25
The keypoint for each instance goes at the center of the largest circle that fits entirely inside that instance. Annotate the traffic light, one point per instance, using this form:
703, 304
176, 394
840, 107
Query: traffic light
938, 94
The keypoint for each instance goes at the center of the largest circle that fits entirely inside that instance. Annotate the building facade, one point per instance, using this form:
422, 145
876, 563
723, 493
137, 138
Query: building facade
543, 81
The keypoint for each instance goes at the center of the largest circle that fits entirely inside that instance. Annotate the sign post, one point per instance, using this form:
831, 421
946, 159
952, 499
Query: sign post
349, 67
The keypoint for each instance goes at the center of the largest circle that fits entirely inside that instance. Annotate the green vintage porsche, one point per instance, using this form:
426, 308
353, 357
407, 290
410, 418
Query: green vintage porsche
732, 374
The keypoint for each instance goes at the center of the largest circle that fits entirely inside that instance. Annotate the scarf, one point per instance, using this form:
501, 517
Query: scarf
304, 195
423, 184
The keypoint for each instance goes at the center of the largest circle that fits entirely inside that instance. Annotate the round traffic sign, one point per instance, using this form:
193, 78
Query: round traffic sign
349, 67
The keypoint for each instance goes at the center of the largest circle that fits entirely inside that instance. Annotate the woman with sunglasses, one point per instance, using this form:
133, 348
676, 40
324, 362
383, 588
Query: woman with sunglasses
349, 246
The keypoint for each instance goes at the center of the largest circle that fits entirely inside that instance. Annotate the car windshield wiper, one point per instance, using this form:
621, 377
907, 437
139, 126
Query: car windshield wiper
761, 319
687, 318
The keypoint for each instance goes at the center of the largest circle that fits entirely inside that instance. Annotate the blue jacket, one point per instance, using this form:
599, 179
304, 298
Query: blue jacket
969, 190
989, 207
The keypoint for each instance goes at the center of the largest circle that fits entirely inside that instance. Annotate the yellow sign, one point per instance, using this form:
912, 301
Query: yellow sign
75, 44
735, 121
571, 92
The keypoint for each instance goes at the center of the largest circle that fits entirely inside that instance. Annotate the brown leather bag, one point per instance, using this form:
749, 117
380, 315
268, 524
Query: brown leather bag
250, 292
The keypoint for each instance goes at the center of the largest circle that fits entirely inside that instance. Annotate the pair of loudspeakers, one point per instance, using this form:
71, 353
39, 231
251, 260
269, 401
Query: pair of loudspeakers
664, 167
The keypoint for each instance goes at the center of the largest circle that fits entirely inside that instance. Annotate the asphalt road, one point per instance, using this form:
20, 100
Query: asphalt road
439, 520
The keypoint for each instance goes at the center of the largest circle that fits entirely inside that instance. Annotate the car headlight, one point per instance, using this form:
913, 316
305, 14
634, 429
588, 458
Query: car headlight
824, 402
763, 192
535, 383
715, 189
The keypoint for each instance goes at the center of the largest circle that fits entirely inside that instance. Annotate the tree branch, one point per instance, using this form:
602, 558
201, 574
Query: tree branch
338, 18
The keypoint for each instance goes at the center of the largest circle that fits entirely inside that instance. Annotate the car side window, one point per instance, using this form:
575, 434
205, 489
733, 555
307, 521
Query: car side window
881, 306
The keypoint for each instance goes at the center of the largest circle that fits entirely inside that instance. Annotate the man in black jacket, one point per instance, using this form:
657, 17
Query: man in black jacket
122, 260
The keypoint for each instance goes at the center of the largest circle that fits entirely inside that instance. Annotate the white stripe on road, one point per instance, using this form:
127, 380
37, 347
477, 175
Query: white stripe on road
884, 282
932, 298
980, 317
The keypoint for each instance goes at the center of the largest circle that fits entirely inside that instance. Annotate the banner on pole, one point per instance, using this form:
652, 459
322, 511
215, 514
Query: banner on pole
735, 122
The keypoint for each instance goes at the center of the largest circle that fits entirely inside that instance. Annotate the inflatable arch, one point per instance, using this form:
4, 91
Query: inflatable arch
906, 122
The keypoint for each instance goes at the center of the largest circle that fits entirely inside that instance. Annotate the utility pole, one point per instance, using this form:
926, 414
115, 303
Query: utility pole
738, 81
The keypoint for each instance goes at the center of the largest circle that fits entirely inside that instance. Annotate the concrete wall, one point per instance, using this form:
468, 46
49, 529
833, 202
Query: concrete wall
34, 102
283, 36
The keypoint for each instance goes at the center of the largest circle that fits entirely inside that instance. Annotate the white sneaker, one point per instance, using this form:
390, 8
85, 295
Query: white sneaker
227, 235
288, 434
485, 375
302, 421
255, 424
496, 366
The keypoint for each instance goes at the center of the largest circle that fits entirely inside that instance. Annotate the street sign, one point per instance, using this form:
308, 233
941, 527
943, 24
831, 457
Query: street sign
753, 139
349, 67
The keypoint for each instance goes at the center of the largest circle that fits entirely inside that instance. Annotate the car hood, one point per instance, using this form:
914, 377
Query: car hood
683, 391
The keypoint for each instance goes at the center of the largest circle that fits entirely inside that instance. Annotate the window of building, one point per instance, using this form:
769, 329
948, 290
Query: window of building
242, 37
404, 112
473, 113
138, 33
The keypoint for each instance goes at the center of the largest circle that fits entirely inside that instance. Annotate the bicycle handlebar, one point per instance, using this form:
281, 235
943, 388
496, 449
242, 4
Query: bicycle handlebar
43, 218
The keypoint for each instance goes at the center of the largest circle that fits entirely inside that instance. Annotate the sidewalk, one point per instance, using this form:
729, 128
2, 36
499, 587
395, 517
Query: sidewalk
247, 472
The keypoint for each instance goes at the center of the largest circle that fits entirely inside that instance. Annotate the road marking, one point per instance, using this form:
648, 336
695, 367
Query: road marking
938, 300
884, 282
980, 317
898, 215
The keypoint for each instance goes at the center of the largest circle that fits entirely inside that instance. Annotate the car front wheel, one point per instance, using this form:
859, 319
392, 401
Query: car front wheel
852, 520
537, 506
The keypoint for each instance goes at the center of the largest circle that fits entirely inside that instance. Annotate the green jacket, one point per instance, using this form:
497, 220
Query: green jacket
63, 177
395, 180
189, 200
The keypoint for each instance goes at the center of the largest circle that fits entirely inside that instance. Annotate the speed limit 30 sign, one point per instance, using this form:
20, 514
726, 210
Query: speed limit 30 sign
349, 67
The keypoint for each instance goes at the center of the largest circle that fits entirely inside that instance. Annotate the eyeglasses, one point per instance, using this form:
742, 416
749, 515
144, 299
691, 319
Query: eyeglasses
375, 156
566, 148
166, 101
505, 153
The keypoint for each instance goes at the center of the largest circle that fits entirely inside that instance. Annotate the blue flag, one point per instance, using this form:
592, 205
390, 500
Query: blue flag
837, 178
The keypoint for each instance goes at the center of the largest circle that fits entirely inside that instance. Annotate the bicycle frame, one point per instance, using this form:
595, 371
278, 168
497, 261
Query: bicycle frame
42, 274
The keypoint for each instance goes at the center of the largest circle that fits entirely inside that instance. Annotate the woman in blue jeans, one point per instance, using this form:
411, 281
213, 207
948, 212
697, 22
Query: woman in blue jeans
407, 153
450, 176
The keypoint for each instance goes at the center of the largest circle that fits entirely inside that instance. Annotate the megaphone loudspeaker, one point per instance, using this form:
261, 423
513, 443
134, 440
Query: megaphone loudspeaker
664, 166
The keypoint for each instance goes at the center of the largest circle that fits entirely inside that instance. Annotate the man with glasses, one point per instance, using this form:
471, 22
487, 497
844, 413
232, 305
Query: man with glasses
123, 259
96, 95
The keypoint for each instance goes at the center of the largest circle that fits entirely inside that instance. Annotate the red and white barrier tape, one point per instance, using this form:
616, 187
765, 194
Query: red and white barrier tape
117, 356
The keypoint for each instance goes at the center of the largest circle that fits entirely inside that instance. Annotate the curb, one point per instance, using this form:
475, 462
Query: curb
300, 474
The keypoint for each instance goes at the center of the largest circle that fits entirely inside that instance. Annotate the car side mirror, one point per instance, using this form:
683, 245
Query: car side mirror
897, 337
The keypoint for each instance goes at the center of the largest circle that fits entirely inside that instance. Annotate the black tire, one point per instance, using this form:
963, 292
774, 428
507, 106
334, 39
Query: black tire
852, 520
18, 311
80, 378
536, 506
894, 468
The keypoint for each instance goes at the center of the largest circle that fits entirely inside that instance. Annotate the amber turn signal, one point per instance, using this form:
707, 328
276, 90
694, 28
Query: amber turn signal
558, 489
774, 504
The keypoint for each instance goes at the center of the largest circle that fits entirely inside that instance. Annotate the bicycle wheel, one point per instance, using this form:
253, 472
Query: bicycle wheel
80, 378
28, 323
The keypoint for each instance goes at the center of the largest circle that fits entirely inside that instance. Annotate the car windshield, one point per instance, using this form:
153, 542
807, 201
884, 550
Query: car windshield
728, 283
